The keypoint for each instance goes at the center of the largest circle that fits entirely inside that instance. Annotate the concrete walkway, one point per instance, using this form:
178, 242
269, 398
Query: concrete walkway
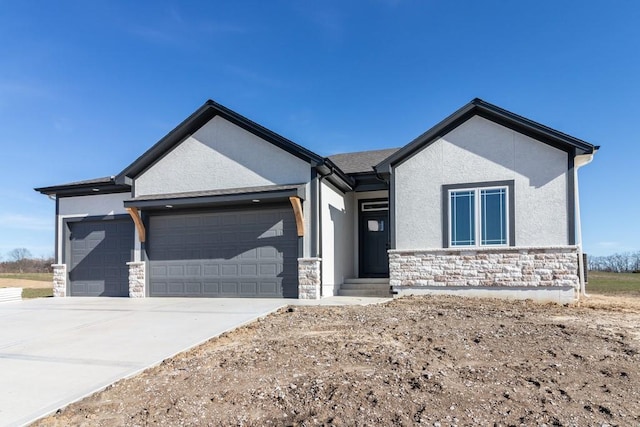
54, 351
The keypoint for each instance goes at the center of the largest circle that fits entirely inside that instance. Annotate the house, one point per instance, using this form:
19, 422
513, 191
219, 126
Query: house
484, 203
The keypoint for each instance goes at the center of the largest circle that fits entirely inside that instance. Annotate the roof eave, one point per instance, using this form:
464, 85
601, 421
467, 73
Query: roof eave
83, 189
335, 175
496, 114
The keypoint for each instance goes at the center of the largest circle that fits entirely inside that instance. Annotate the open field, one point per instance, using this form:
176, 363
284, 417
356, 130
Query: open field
38, 277
34, 285
613, 283
415, 360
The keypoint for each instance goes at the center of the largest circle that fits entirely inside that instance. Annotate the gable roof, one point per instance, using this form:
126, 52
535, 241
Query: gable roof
478, 107
195, 121
361, 161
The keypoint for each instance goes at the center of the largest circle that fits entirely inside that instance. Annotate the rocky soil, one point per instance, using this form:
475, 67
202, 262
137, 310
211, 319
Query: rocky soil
436, 361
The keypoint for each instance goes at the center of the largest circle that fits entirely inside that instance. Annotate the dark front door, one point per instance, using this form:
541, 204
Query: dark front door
374, 242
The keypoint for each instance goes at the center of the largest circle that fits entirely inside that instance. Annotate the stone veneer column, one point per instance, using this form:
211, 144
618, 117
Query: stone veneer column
136, 279
309, 282
59, 280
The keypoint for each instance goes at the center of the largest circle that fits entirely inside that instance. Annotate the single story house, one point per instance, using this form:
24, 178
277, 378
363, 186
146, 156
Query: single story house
484, 203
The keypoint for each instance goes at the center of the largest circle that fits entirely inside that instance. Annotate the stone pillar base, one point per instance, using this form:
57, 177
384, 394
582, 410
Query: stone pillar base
59, 280
136, 279
309, 282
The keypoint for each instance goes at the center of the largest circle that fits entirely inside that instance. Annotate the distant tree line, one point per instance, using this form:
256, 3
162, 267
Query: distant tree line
20, 260
628, 262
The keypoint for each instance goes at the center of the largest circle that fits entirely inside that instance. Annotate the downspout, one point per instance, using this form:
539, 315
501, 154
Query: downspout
319, 242
579, 162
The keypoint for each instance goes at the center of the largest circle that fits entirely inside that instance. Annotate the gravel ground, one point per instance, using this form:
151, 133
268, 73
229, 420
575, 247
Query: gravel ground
435, 361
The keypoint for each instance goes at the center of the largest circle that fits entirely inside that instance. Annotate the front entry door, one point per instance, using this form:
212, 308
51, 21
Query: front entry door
374, 238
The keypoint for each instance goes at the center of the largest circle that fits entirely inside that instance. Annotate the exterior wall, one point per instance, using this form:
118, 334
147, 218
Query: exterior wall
551, 268
365, 195
309, 278
100, 204
83, 206
337, 226
477, 151
221, 155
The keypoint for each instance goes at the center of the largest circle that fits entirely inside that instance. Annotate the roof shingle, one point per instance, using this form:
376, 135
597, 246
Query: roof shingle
362, 161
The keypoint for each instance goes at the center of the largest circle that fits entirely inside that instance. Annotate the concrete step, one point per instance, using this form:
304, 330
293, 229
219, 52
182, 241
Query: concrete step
10, 294
365, 288
364, 293
374, 286
367, 280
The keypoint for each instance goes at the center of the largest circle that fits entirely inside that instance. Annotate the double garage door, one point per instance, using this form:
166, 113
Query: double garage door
226, 253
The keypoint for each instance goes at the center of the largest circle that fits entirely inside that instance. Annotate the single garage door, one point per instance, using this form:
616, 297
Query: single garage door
227, 253
98, 254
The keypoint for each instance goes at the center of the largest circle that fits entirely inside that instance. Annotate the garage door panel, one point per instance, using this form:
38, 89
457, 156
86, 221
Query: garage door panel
211, 288
229, 288
269, 269
174, 288
268, 253
111, 273
249, 288
229, 269
194, 270
249, 269
158, 271
158, 288
97, 255
237, 253
176, 271
210, 270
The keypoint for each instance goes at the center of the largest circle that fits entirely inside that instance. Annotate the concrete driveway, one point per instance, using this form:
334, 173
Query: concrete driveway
54, 351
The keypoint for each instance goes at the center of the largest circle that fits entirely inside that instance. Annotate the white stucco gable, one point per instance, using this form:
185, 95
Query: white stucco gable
477, 151
221, 155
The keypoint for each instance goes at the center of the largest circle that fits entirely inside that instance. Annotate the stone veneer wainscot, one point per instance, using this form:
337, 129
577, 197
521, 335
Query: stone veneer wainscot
485, 267
309, 278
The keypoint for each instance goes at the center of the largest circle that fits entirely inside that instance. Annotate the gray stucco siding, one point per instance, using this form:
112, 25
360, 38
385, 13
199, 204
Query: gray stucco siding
479, 151
221, 155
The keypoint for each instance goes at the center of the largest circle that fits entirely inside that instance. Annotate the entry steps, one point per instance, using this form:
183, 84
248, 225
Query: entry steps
365, 288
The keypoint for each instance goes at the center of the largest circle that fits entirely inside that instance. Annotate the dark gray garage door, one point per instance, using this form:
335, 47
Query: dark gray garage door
98, 253
248, 253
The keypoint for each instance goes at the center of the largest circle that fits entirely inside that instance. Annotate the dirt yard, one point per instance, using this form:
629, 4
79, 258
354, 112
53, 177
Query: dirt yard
437, 361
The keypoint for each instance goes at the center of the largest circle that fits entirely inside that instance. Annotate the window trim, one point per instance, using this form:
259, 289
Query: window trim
476, 187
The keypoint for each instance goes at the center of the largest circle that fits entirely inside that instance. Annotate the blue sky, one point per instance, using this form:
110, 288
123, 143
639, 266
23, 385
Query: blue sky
87, 86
